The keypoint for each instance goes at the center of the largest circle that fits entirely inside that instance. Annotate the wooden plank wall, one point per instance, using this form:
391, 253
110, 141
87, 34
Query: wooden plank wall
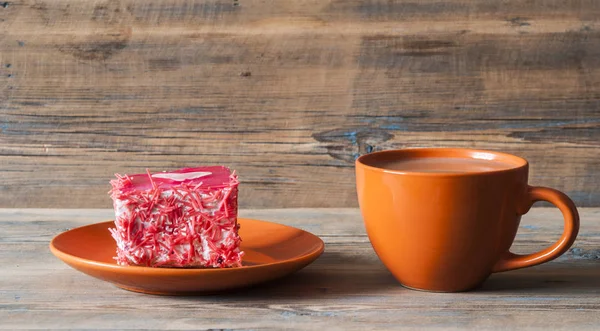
290, 92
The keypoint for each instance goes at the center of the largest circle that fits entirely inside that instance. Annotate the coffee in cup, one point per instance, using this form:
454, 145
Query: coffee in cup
444, 219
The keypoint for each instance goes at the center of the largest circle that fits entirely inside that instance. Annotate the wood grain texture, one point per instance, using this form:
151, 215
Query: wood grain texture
289, 93
347, 288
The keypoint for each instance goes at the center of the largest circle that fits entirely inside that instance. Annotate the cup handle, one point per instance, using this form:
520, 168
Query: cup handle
510, 261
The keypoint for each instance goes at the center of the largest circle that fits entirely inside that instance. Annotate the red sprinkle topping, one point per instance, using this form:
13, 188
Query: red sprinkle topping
176, 223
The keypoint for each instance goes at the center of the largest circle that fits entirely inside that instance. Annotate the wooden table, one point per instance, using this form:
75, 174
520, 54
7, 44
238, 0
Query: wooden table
346, 288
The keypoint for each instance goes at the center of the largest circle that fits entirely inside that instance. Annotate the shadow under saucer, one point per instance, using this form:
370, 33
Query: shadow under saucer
332, 274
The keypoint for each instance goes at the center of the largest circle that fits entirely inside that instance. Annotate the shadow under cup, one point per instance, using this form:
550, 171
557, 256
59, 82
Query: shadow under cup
444, 219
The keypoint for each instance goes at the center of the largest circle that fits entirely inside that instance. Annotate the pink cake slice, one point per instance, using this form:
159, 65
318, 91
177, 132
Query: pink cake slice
182, 218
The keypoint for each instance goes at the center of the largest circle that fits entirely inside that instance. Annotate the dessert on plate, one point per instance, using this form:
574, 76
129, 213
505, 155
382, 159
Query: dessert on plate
182, 218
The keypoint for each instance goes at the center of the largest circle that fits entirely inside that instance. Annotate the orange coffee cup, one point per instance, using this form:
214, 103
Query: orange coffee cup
444, 219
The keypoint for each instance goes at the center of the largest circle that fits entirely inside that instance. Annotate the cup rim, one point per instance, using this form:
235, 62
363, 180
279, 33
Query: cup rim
517, 161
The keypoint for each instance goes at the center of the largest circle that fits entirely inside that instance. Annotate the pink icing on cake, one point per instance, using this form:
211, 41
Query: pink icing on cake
182, 218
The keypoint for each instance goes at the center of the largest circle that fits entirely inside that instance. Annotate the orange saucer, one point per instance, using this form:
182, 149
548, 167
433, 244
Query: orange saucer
271, 251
